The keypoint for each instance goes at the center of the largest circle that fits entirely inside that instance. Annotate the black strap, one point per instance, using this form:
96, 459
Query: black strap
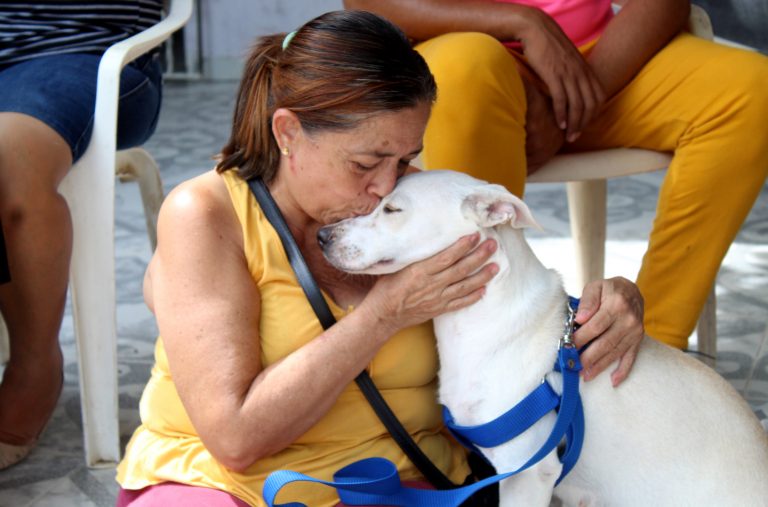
319, 305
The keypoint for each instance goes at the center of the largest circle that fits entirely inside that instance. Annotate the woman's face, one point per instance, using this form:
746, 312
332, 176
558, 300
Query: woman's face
336, 175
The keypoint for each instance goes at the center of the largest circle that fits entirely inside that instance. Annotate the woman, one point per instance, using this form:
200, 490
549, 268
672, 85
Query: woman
246, 381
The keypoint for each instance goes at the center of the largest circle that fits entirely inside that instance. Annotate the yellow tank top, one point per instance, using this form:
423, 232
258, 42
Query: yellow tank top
166, 447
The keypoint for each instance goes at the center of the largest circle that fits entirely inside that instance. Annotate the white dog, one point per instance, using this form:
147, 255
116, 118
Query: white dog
674, 433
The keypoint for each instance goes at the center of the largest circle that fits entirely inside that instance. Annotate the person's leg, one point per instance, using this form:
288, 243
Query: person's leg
38, 235
173, 493
707, 103
478, 122
45, 124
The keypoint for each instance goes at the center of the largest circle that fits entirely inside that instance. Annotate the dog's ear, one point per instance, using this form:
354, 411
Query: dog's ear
492, 205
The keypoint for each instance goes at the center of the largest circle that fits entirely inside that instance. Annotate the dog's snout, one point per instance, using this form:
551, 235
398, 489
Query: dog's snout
325, 236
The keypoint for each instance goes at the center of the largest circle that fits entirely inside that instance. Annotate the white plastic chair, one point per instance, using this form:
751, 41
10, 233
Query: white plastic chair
90, 192
586, 176
89, 189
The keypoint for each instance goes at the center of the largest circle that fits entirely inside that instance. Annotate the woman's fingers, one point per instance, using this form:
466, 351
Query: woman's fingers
559, 101
575, 91
470, 284
447, 281
575, 107
625, 365
615, 343
611, 318
448, 257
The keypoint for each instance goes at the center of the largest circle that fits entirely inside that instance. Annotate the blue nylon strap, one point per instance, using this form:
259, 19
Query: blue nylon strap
374, 481
509, 425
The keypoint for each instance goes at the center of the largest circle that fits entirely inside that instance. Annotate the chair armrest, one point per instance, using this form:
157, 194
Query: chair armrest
127, 50
600, 165
110, 67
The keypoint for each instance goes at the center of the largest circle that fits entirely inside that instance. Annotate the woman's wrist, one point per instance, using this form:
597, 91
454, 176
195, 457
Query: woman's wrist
381, 326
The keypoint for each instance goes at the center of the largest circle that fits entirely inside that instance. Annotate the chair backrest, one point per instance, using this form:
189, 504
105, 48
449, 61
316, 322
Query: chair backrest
699, 23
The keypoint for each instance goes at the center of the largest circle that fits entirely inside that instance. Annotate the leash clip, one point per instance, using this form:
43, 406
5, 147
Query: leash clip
566, 341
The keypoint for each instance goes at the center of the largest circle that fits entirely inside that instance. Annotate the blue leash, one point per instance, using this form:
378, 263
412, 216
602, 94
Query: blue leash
375, 481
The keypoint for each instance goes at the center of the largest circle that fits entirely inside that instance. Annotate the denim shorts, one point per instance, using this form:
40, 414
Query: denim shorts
60, 91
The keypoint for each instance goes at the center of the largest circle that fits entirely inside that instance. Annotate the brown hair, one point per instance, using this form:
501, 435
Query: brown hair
338, 69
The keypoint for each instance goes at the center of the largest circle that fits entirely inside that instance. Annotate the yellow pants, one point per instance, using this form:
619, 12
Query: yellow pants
705, 102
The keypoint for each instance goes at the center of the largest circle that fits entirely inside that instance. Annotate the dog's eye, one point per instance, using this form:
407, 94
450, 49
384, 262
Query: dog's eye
388, 208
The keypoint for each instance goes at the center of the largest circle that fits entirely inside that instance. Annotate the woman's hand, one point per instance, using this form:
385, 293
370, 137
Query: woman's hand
576, 93
445, 282
611, 314
543, 137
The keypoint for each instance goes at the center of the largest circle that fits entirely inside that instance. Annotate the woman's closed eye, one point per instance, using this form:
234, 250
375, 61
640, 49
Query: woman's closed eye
389, 208
365, 167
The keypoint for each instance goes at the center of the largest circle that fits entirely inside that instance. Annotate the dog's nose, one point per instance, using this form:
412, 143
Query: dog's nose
324, 236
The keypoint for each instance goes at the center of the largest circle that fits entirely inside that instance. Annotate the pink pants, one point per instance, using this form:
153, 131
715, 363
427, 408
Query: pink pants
173, 493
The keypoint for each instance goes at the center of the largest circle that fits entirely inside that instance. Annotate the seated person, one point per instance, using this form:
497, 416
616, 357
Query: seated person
521, 80
48, 66
246, 381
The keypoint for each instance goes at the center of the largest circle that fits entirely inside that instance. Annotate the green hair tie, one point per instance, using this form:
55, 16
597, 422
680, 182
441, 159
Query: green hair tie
288, 38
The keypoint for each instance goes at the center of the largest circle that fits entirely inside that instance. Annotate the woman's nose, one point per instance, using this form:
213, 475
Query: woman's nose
383, 183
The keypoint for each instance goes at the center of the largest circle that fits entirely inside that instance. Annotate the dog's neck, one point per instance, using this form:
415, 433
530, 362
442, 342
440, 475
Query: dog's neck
520, 317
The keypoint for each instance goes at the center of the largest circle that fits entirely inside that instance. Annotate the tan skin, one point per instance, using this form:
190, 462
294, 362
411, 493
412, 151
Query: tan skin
38, 233
565, 89
207, 304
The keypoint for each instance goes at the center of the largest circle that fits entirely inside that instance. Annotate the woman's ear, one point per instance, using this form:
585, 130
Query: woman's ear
286, 128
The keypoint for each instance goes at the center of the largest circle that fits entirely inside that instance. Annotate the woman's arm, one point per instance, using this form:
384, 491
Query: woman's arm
575, 91
424, 19
208, 309
634, 36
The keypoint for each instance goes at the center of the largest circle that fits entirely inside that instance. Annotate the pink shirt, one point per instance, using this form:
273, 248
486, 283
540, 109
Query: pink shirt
581, 20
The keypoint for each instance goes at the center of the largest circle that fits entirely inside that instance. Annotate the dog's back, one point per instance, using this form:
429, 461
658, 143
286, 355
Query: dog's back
674, 433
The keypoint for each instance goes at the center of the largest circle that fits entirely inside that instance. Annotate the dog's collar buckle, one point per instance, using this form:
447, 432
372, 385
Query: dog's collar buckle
566, 341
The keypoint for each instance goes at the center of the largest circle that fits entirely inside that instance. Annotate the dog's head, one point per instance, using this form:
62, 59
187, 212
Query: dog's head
424, 214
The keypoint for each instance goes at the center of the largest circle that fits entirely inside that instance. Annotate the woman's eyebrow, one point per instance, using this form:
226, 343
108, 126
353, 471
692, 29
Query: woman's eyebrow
384, 154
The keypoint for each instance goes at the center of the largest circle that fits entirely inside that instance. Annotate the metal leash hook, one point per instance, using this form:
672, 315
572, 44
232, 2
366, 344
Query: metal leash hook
570, 319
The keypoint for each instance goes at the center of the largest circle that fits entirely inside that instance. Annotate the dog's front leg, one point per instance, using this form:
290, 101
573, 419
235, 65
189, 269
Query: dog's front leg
533, 487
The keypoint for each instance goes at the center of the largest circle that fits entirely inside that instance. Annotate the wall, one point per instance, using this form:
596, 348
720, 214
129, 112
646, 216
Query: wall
229, 27
742, 21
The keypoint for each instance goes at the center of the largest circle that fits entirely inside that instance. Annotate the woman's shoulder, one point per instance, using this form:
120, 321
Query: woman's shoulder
206, 194
200, 204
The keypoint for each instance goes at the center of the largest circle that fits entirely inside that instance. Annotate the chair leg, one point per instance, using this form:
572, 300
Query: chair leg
5, 345
136, 164
706, 329
90, 192
587, 210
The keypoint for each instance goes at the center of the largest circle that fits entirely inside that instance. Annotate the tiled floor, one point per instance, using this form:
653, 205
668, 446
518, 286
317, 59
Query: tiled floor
193, 126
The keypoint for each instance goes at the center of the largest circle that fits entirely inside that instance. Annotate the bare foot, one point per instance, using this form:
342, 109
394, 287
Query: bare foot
28, 396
